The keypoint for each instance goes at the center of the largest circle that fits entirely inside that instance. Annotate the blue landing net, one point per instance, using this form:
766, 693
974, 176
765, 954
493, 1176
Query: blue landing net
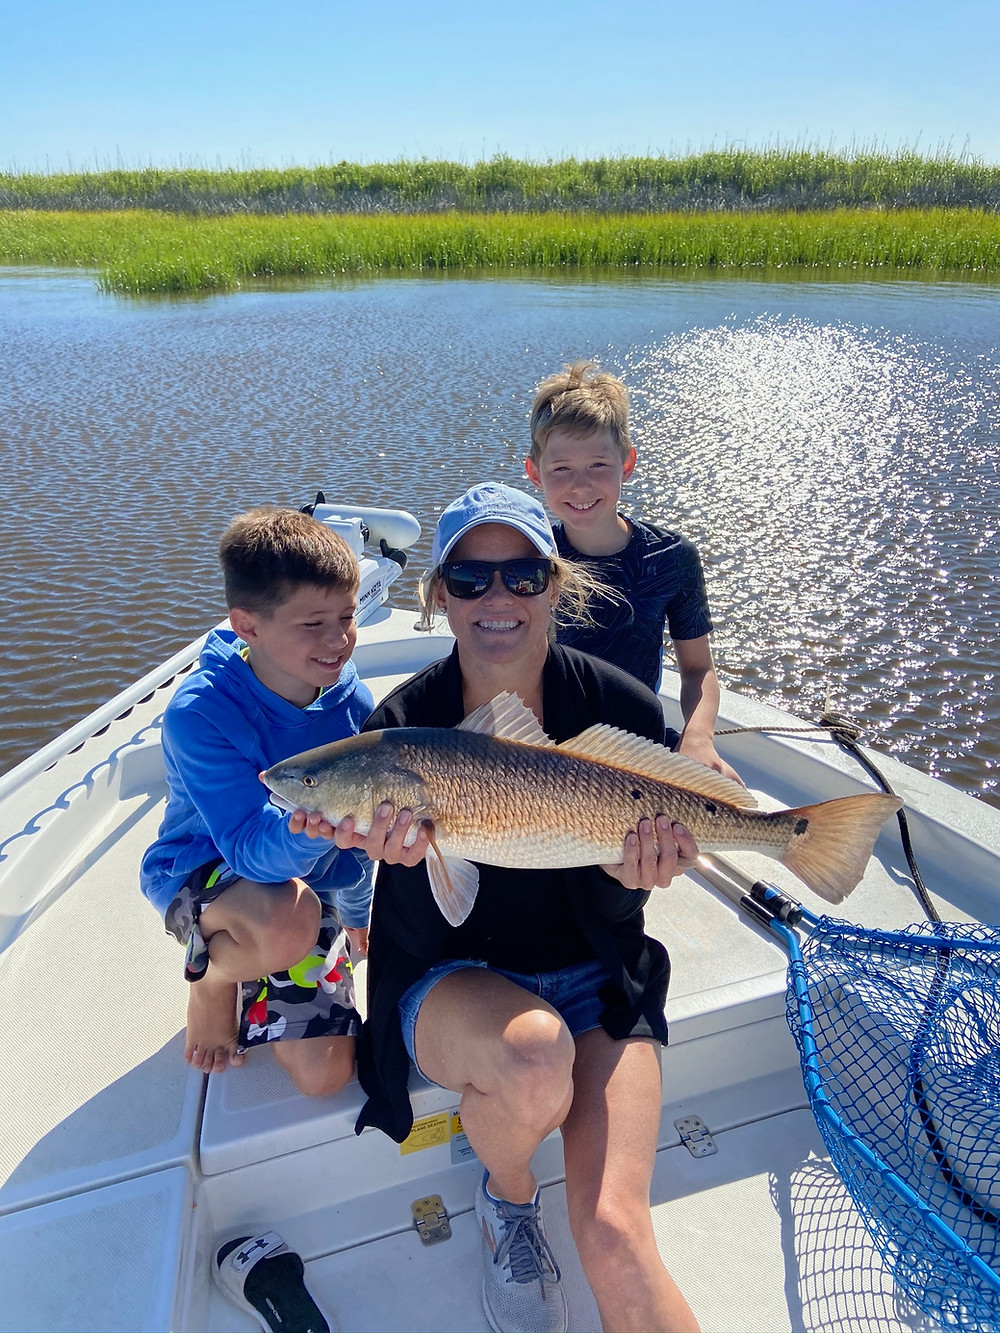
899, 1038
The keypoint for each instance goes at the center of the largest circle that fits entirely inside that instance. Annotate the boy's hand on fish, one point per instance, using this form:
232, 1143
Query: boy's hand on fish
358, 936
644, 865
312, 824
388, 839
705, 753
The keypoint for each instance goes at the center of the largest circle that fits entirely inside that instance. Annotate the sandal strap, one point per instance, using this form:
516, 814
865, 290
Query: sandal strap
251, 1251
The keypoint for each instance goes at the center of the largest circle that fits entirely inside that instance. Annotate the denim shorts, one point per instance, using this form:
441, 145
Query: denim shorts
571, 991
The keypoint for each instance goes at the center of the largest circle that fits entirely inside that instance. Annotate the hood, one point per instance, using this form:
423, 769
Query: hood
222, 661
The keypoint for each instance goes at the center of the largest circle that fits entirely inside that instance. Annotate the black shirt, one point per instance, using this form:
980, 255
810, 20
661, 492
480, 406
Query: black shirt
659, 578
523, 920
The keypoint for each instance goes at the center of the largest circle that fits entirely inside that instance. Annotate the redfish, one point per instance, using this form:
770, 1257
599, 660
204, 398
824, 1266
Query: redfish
499, 791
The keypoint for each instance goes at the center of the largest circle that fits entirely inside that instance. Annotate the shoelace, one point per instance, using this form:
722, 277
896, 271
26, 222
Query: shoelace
527, 1250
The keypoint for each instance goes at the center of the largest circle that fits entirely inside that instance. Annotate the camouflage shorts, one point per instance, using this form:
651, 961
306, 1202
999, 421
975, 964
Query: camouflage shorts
315, 998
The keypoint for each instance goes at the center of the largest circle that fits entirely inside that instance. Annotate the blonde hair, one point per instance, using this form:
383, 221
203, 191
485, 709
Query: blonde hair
266, 554
582, 399
576, 586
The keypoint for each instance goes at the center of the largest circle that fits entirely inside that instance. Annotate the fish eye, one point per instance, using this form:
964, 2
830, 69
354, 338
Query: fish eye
309, 780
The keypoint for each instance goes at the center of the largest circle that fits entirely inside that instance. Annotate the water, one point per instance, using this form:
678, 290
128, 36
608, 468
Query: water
832, 448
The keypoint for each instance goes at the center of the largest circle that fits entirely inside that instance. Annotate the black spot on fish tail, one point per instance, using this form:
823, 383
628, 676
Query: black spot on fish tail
800, 826
635, 793
710, 808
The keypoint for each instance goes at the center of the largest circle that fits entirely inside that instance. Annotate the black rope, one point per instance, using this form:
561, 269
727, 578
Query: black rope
846, 741
845, 733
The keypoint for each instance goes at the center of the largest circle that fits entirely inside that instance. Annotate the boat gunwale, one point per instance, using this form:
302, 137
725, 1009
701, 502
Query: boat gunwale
98, 721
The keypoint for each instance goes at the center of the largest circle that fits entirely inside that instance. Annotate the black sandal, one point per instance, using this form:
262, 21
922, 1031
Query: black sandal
263, 1276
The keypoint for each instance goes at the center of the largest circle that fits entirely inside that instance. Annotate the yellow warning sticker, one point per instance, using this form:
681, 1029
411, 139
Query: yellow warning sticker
431, 1132
461, 1149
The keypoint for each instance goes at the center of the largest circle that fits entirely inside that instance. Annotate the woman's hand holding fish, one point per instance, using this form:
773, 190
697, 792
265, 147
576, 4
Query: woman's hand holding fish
649, 861
386, 840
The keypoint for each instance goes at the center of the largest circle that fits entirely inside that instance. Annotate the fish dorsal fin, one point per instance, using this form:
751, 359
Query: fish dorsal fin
508, 717
623, 749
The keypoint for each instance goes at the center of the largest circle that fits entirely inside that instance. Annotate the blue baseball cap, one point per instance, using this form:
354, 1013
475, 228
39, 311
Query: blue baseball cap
492, 502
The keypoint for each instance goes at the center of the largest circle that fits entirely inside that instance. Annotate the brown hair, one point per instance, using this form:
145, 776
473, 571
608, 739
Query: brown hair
267, 553
582, 399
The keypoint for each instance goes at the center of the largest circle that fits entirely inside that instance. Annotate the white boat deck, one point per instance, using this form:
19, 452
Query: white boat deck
120, 1168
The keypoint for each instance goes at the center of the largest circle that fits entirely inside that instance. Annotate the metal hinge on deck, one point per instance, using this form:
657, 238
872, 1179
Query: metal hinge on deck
695, 1136
430, 1219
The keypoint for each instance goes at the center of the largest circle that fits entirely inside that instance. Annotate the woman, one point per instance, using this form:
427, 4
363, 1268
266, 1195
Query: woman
545, 1007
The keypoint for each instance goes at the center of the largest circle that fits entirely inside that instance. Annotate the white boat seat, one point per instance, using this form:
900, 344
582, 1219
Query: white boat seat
255, 1113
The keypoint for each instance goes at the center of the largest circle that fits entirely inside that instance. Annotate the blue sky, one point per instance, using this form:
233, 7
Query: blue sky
173, 82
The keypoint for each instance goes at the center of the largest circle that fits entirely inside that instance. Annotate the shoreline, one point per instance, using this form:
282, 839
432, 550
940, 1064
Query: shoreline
145, 252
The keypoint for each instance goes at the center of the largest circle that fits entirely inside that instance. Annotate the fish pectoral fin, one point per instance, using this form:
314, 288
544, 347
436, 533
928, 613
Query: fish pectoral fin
610, 745
454, 884
509, 717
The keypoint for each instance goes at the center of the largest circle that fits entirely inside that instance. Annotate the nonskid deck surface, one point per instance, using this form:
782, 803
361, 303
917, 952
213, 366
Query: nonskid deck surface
107, 1143
761, 1237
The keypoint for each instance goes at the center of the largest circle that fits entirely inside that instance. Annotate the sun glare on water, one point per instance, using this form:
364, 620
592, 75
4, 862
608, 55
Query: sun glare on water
835, 479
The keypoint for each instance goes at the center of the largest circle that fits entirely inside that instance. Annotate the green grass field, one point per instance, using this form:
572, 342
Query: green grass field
792, 178
148, 252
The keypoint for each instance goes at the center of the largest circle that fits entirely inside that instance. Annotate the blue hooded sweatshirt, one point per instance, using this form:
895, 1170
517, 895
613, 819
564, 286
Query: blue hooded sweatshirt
220, 730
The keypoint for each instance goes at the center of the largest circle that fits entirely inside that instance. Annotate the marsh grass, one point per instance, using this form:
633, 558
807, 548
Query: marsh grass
149, 252
783, 178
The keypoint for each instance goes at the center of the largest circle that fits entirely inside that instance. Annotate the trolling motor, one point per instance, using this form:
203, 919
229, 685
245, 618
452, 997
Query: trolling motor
393, 529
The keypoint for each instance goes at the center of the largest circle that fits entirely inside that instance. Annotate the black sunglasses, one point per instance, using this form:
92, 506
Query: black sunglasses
526, 577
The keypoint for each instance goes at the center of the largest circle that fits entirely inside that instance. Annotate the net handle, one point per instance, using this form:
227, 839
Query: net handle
765, 902
769, 905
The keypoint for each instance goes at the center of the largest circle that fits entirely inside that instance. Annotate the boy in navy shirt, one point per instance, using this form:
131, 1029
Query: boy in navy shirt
581, 452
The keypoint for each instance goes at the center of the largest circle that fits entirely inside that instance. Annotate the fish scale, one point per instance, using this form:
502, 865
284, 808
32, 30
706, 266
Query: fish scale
553, 810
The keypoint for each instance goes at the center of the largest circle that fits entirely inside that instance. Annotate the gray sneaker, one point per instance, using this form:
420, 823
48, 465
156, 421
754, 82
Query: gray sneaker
521, 1291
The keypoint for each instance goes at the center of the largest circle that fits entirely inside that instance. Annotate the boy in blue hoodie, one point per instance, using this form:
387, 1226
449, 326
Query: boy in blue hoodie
270, 916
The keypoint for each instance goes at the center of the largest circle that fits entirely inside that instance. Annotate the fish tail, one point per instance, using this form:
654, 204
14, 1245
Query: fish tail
830, 853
